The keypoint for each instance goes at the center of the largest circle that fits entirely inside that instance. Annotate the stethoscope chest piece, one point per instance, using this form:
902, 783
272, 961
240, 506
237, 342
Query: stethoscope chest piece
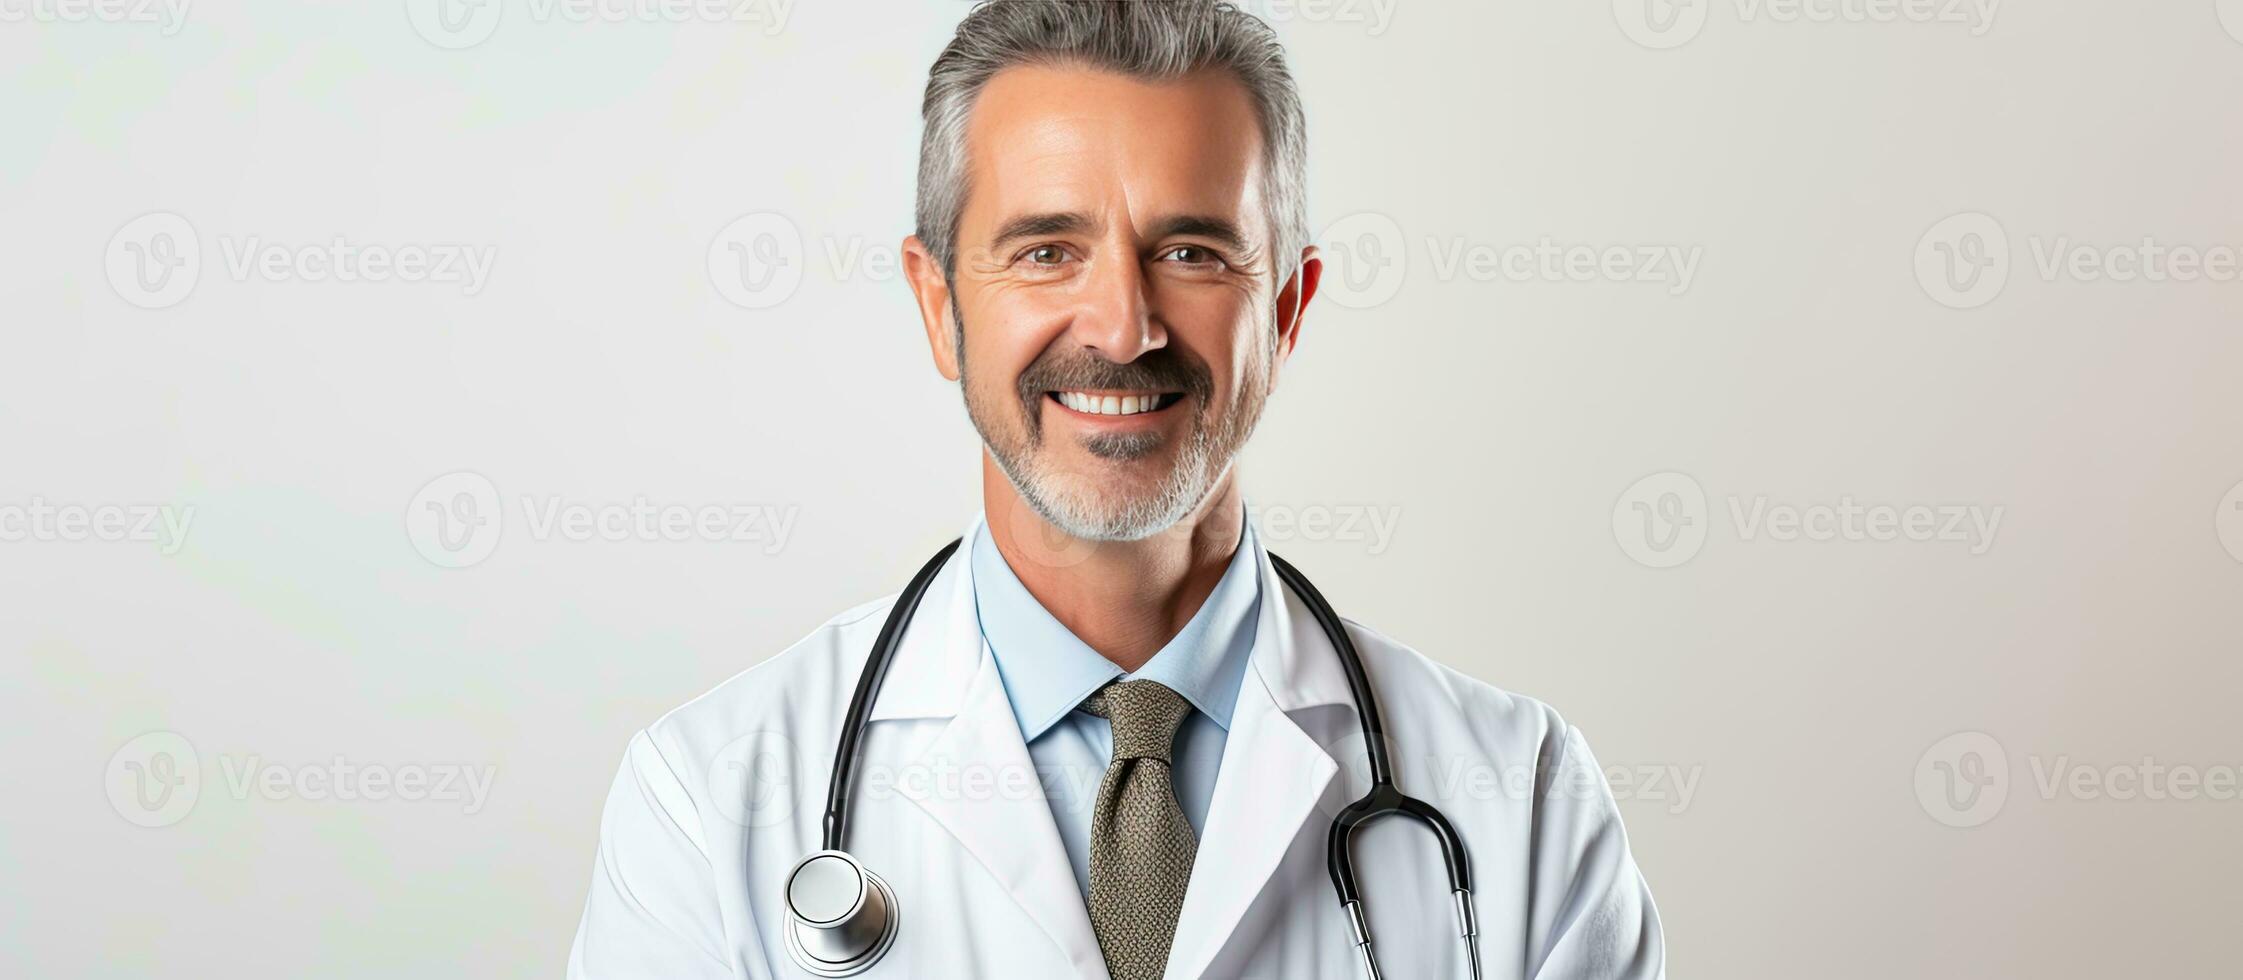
841, 918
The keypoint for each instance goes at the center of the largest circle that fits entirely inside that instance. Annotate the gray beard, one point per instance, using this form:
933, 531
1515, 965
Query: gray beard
1090, 517
1205, 459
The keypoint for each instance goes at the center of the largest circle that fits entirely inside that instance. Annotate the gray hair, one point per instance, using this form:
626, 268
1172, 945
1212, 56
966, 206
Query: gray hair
1149, 39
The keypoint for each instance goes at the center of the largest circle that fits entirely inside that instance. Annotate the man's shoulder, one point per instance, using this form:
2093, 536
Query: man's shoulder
807, 679
1502, 722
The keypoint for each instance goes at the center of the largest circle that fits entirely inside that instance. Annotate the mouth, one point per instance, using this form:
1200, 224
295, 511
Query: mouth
1105, 403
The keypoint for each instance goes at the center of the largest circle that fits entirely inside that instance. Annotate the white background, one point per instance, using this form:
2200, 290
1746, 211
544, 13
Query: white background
1810, 686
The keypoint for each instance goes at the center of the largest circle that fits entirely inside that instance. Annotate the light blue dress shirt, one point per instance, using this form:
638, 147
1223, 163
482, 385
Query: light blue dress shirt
1048, 672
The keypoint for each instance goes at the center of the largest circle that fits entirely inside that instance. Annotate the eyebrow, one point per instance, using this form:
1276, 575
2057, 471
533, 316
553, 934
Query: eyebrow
1222, 231
1040, 224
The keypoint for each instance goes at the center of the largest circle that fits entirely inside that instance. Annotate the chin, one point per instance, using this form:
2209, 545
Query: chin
1110, 504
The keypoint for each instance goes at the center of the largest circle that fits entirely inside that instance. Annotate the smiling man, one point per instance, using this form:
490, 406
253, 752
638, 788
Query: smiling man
1108, 735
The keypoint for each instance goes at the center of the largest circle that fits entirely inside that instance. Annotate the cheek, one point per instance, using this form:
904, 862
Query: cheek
1005, 331
1228, 330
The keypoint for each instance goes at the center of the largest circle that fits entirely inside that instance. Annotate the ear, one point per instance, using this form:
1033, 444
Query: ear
1292, 304
932, 291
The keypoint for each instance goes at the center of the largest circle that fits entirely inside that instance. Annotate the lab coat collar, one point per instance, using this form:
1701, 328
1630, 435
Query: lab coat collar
935, 665
1272, 776
943, 669
938, 657
1048, 670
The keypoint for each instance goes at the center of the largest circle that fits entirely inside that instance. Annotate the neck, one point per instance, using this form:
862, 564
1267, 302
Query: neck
1126, 599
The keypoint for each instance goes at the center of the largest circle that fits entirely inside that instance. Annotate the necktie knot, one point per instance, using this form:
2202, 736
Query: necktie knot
1144, 715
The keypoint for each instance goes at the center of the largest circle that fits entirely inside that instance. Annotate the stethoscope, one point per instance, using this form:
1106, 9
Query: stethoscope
841, 917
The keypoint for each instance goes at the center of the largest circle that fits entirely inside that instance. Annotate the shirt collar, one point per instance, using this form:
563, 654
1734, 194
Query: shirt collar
1047, 670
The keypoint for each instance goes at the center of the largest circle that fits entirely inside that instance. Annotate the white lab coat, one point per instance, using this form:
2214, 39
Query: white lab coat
719, 799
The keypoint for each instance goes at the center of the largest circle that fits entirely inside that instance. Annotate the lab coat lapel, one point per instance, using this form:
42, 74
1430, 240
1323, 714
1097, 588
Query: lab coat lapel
1273, 773
976, 779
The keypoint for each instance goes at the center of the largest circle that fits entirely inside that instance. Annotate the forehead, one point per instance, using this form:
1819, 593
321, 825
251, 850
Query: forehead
1065, 138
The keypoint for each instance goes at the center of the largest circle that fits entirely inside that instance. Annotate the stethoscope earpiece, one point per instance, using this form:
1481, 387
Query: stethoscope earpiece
841, 917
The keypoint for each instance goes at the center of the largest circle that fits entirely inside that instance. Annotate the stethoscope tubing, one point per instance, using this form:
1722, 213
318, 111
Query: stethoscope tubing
1382, 800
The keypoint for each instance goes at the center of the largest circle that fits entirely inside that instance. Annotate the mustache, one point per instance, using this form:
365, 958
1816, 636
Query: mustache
1063, 366
1161, 369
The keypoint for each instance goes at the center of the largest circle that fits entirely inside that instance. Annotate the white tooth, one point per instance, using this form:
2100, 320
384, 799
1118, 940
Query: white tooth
1109, 405
1129, 404
1075, 400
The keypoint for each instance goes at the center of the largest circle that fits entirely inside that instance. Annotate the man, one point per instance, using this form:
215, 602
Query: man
1111, 741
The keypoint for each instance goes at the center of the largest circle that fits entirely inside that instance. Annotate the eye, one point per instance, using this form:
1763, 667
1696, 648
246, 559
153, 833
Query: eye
1045, 255
1195, 255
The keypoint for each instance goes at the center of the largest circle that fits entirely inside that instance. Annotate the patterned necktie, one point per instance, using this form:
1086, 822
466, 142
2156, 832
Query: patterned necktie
1141, 847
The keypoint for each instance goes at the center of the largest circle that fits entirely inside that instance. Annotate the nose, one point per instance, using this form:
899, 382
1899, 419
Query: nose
1114, 316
